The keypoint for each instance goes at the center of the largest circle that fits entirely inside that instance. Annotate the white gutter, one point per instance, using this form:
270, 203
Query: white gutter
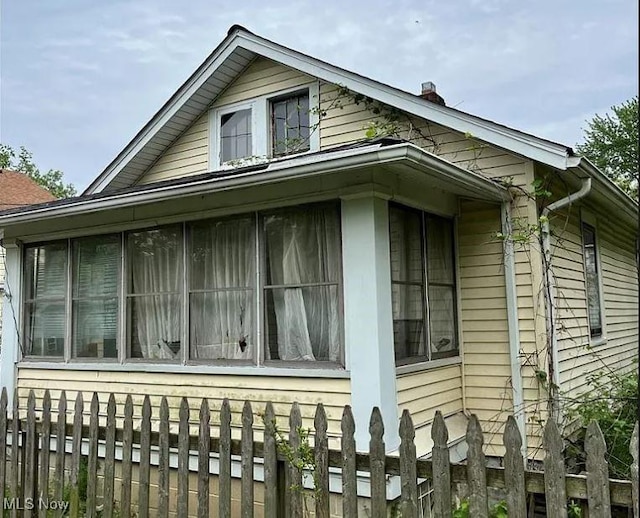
550, 289
513, 323
305, 166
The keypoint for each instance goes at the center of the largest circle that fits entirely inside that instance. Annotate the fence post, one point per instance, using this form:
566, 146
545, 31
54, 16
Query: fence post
349, 474
204, 434
294, 480
321, 478
441, 467
224, 493
92, 471
76, 455
61, 443
270, 463
635, 494
408, 477
30, 459
110, 456
183, 459
247, 461
554, 478
145, 459
597, 472
514, 470
476, 474
377, 457
163, 460
127, 450
45, 450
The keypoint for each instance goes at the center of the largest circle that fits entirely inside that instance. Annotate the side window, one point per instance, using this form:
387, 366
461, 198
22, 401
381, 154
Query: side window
235, 135
592, 271
290, 124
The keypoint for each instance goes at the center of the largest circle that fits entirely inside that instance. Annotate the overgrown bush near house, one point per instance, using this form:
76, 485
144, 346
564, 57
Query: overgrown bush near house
612, 402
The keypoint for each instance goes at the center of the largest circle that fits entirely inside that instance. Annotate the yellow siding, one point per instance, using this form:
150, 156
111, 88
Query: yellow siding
282, 391
189, 154
424, 392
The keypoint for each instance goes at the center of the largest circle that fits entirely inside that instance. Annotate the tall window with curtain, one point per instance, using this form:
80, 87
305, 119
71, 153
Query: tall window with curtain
302, 256
222, 275
593, 280
423, 285
154, 293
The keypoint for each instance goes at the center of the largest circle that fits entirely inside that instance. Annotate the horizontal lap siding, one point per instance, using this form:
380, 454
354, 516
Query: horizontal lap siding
189, 154
615, 243
282, 391
422, 393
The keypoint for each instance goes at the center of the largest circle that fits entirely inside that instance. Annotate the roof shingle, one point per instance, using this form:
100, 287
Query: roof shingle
18, 190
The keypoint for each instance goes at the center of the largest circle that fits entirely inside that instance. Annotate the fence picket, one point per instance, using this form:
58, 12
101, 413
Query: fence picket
3, 439
76, 456
349, 474
270, 462
92, 471
14, 486
294, 488
109, 457
408, 477
31, 464
377, 459
247, 461
224, 494
441, 467
597, 472
145, 459
45, 451
476, 474
183, 459
635, 493
127, 451
321, 477
554, 479
514, 470
61, 441
204, 432
163, 460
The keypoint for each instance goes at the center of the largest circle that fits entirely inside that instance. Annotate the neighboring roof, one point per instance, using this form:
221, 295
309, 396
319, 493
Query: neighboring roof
364, 154
18, 190
233, 56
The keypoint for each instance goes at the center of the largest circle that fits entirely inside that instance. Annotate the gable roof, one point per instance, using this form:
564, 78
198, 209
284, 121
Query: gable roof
18, 190
237, 51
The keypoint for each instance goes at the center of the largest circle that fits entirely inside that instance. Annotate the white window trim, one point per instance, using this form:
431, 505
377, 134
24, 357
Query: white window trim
588, 218
261, 126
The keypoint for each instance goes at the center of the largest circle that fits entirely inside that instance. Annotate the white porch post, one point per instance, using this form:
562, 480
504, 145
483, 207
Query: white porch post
10, 318
368, 320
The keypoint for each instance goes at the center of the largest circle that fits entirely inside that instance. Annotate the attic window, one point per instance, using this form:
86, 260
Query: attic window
290, 124
235, 135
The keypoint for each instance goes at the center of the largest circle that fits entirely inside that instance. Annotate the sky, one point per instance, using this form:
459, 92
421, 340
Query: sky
79, 78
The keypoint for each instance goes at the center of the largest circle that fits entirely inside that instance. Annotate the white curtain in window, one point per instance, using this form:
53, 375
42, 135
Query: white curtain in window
223, 263
156, 269
303, 248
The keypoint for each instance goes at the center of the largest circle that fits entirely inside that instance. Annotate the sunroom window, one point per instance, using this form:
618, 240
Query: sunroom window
422, 285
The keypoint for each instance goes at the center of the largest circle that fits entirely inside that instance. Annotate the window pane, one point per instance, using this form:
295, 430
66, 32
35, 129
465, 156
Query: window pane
442, 319
406, 245
222, 325
95, 328
290, 124
46, 271
95, 266
440, 250
303, 245
303, 324
593, 281
408, 321
155, 260
45, 322
236, 135
156, 327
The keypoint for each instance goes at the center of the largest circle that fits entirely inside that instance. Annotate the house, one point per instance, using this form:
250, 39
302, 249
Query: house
286, 230
17, 190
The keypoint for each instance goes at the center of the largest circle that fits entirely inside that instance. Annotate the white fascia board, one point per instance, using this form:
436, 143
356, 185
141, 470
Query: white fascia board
185, 92
548, 153
302, 167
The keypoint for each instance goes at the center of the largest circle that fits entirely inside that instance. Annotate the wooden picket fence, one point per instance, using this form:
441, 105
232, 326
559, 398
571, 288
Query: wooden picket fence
25, 472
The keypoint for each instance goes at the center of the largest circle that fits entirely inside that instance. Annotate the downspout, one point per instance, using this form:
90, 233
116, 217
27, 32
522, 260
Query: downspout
514, 326
550, 290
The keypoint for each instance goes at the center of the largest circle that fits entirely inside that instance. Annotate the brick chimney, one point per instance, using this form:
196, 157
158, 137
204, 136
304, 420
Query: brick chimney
429, 93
